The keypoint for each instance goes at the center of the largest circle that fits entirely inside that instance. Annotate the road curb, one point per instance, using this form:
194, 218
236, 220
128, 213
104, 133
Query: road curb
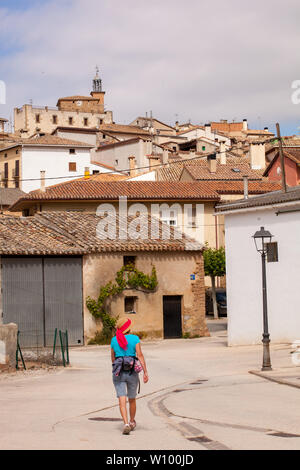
271, 378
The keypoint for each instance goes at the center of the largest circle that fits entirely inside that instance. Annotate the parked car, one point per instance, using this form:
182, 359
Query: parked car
221, 302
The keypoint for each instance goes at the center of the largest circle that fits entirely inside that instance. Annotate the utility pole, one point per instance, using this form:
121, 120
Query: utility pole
281, 158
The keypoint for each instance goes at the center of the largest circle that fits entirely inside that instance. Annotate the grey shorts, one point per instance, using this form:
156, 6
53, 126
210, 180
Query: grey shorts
126, 384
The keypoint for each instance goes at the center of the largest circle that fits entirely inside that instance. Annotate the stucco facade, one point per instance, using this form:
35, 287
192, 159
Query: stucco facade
244, 280
53, 160
174, 272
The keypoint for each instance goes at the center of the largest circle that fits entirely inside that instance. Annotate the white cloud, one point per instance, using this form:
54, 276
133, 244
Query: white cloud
200, 60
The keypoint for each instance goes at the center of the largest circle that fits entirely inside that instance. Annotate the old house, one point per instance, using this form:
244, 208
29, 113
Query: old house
52, 262
187, 206
291, 156
279, 213
22, 162
71, 111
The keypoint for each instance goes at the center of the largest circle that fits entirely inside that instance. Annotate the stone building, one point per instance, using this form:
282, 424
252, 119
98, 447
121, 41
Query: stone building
52, 262
71, 111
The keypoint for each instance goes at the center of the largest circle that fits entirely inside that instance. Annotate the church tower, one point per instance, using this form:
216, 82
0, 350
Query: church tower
97, 90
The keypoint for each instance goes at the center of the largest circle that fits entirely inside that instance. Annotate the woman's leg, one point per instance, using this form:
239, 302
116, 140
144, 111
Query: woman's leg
123, 409
132, 409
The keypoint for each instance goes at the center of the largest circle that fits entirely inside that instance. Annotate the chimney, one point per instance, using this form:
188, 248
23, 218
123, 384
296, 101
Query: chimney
207, 130
266, 129
222, 153
212, 163
245, 178
245, 125
149, 147
86, 173
177, 126
153, 162
257, 155
132, 166
165, 158
43, 183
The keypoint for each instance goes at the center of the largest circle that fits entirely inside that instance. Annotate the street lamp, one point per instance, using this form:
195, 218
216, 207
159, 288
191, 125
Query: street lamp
261, 238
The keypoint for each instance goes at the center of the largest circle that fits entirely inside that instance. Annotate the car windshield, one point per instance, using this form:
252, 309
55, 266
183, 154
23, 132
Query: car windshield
221, 297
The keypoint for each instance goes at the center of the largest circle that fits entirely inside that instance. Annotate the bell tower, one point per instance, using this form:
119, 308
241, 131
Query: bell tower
97, 90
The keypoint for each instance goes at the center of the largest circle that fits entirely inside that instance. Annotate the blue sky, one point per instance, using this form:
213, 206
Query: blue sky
185, 60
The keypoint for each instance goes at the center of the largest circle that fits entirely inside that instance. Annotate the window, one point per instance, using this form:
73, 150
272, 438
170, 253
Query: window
6, 171
100, 122
17, 168
54, 119
17, 151
192, 217
70, 121
72, 151
203, 148
85, 122
37, 118
168, 217
130, 304
129, 260
96, 172
116, 162
72, 166
5, 155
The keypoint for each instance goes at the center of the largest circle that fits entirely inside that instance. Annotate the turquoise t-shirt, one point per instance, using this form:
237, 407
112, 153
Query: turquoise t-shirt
132, 340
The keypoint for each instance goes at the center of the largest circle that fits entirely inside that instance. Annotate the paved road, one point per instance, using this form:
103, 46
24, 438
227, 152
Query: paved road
200, 396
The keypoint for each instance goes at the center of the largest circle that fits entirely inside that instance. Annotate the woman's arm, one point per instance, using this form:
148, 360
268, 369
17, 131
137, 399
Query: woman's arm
141, 358
113, 356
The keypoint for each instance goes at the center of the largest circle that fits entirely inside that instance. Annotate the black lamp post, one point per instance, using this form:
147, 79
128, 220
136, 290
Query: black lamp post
261, 238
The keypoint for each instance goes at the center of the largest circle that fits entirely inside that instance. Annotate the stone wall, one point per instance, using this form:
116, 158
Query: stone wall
174, 272
8, 345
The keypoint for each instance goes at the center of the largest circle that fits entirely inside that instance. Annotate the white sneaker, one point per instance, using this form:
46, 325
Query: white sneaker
126, 429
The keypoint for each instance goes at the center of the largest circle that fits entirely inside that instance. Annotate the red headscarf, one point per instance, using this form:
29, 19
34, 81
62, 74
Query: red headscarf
122, 341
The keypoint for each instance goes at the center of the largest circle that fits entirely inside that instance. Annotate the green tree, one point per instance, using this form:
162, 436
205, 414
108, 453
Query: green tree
214, 265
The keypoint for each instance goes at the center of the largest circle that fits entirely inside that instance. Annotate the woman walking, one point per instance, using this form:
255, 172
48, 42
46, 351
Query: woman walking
125, 353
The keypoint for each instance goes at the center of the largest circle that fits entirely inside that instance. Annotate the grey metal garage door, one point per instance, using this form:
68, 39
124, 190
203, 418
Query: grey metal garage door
41, 294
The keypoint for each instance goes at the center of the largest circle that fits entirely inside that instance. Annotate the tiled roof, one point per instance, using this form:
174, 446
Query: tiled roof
237, 187
200, 169
103, 177
230, 171
293, 153
77, 97
9, 196
138, 190
120, 128
71, 233
272, 198
49, 140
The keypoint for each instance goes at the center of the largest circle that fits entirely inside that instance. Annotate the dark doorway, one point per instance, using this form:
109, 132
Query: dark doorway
172, 316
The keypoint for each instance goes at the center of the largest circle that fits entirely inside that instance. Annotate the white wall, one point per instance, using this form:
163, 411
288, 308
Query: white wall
196, 133
121, 153
55, 162
244, 283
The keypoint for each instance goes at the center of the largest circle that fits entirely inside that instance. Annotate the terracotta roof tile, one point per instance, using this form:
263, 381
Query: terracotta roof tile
120, 128
276, 197
71, 233
232, 170
138, 190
